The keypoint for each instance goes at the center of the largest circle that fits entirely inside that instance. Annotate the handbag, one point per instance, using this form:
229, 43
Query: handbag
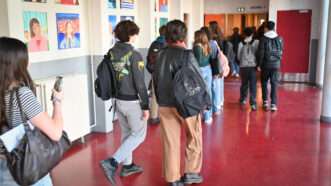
36, 154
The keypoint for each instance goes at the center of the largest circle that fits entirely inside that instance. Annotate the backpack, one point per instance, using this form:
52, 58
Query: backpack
274, 50
190, 90
153, 51
109, 73
248, 55
105, 84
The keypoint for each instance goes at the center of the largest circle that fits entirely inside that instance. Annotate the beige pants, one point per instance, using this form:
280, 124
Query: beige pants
171, 123
154, 105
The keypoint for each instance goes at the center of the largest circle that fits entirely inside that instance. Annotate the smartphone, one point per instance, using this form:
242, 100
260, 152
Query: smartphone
58, 84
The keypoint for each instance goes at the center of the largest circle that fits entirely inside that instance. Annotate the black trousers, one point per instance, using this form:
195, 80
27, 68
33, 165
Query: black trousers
272, 75
248, 81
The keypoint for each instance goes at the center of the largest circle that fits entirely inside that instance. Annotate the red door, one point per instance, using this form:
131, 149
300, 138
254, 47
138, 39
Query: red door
295, 27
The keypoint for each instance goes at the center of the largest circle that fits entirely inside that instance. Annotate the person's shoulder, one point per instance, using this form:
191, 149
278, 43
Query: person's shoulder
25, 92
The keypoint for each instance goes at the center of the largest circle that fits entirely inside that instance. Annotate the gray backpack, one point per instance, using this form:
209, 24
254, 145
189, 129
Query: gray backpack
248, 55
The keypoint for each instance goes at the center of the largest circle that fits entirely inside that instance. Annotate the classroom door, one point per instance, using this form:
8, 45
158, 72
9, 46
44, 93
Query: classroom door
295, 28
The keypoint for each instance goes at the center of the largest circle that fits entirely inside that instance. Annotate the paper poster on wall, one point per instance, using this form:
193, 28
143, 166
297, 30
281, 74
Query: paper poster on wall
68, 32
112, 4
67, 2
36, 31
36, 1
123, 18
127, 4
112, 19
163, 21
163, 5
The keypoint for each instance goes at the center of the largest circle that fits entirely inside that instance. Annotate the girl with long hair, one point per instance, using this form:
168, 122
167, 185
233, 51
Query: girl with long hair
202, 52
18, 102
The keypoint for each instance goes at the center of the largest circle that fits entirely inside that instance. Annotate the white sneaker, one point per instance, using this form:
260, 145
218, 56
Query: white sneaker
209, 122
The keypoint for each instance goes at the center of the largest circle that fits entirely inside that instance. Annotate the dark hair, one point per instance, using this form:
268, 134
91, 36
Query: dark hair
236, 30
248, 31
32, 22
176, 31
270, 25
125, 29
207, 31
14, 61
216, 32
163, 30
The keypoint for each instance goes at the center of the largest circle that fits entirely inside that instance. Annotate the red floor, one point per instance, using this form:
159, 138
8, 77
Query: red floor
241, 148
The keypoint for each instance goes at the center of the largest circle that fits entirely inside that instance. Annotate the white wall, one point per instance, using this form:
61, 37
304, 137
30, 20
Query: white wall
4, 31
231, 6
314, 5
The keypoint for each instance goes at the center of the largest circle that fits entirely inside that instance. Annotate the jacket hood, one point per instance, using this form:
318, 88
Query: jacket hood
271, 34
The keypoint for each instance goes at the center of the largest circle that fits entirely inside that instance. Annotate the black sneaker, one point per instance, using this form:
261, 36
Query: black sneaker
253, 107
109, 167
265, 105
192, 178
154, 121
273, 108
177, 183
128, 170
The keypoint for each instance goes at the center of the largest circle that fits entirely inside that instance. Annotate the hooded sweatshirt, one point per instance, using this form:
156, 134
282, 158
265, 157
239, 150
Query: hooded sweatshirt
270, 36
254, 44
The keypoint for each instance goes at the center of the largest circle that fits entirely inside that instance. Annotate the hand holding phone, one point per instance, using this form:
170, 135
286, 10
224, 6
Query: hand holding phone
57, 89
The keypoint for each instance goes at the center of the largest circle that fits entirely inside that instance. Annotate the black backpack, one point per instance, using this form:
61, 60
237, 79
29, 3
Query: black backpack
153, 51
274, 50
106, 84
190, 90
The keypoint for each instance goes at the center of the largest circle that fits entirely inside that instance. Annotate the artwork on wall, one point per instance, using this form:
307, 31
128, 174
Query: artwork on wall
36, 31
112, 4
163, 5
123, 18
163, 21
112, 19
68, 31
127, 4
67, 2
36, 1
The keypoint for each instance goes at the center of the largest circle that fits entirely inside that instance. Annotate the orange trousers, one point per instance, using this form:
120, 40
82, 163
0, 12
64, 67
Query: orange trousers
171, 123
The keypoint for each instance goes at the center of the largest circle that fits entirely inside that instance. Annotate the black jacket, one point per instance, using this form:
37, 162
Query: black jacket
131, 86
262, 52
168, 63
153, 50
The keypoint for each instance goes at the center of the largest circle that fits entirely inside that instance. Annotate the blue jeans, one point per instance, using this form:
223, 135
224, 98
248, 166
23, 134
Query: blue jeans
217, 94
6, 178
234, 67
208, 78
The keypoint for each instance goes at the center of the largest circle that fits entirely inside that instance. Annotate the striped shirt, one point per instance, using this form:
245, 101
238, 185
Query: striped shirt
31, 107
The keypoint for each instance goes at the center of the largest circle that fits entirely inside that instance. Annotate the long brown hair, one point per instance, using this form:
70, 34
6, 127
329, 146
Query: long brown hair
216, 32
200, 38
14, 62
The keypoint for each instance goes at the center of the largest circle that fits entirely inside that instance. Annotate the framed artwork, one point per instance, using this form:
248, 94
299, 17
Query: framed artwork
163, 21
112, 19
36, 1
67, 2
123, 18
112, 4
163, 5
36, 31
127, 4
68, 30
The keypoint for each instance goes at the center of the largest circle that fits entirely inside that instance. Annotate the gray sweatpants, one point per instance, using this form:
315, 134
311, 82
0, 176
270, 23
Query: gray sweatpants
133, 127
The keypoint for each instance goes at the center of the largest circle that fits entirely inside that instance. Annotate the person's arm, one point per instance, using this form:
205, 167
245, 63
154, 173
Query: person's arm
198, 53
239, 51
138, 68
51, 126
261, 52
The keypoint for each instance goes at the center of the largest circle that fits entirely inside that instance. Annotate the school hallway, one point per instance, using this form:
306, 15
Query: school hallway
241, 148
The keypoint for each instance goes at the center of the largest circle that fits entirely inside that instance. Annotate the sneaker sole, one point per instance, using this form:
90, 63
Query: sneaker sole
197, 181
131, 173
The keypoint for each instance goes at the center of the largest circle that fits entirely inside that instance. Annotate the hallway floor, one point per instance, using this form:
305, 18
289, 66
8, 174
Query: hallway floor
241, 148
